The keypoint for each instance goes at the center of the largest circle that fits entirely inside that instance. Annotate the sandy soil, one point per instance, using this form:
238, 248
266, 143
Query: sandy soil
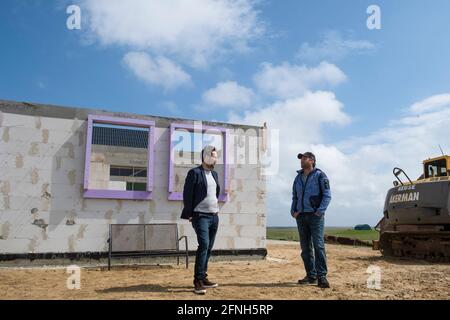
273, 278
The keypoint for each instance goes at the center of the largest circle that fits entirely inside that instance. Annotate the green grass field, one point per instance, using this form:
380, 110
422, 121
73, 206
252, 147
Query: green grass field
291, 233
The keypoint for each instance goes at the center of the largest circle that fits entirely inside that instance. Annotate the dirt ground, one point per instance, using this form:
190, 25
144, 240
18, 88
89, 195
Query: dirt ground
273, 278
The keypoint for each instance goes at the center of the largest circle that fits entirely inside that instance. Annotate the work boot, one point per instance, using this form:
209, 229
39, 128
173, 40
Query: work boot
199, 288
323, 283
209, 284
308, 280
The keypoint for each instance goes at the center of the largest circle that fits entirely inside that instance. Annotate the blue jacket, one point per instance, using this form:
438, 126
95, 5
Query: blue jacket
314, 195
195, 190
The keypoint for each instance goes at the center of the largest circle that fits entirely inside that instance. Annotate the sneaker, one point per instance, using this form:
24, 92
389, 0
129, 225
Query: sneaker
307, 280
199, 288
323, 283
209, 284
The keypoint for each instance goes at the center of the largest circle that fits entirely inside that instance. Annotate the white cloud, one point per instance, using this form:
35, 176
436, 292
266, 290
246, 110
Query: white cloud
333, 46
194, 31
299, 121
359, 168
299, 115
287, 80
171, 107
430, 104
159, 71
310, 111
363, 173
228, 94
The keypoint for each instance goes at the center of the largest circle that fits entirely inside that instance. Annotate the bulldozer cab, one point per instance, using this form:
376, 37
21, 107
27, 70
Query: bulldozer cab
436, 167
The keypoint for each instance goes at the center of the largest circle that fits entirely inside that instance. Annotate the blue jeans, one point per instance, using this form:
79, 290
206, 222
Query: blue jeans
311, 231
205, 227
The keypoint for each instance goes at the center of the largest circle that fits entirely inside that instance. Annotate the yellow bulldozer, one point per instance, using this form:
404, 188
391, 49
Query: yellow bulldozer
416, 217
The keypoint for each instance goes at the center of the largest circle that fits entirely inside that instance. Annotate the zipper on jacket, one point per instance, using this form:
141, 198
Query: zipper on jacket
303, 191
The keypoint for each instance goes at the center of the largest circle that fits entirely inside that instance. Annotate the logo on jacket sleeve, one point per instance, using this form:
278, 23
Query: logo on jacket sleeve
326, 184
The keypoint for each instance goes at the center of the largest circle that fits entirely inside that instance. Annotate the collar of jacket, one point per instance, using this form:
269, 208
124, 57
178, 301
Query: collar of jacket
204, 176
312, 171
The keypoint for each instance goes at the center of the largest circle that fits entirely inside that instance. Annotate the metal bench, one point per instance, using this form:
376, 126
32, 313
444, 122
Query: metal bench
141, 240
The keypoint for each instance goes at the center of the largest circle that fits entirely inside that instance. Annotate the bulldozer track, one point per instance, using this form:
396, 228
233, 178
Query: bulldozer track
432, 246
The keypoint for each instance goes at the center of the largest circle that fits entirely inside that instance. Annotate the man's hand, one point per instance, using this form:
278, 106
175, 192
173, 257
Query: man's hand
295, 214
318, 213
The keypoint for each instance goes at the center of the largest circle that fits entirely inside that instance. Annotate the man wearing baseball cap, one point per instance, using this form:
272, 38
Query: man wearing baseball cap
311, 196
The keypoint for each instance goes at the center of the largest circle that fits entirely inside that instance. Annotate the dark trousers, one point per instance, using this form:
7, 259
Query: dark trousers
205, 227
311, 231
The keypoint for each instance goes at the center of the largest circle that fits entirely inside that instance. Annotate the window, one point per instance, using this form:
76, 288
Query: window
436, 168
186, 144
136, 186
119, 158
129, 178
128, 172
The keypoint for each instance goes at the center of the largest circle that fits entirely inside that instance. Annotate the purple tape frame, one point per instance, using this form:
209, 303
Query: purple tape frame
120, 194
174, 195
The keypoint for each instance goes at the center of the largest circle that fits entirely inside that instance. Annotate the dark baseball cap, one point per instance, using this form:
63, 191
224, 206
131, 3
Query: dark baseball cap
307, 154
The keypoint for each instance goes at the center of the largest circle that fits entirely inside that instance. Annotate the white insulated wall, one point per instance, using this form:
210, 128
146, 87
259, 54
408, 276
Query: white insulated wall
41, 181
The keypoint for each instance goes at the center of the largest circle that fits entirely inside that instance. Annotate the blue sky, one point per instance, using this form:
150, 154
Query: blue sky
379, 76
